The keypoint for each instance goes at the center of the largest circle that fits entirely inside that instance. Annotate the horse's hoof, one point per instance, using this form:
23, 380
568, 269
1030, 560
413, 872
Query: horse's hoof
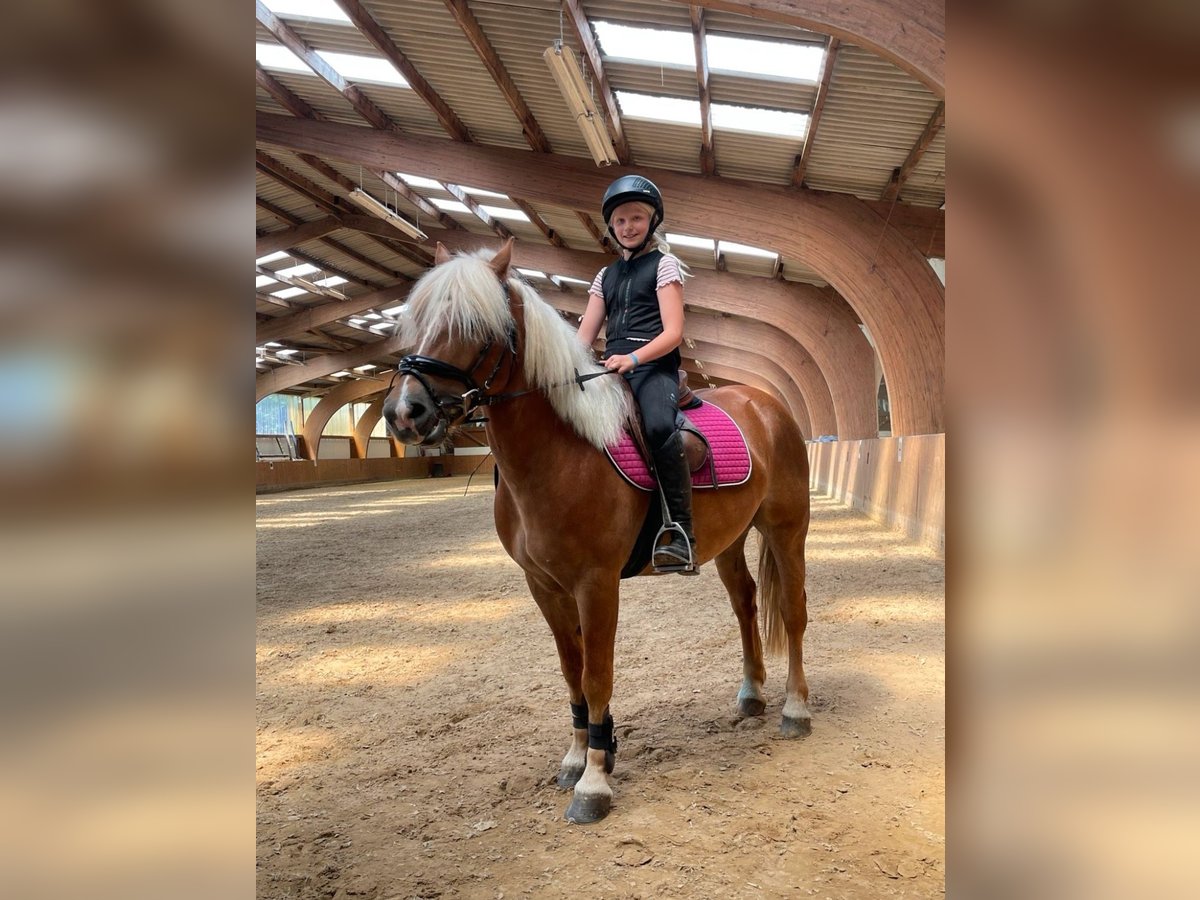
794, 728
568, 778
751, 706
586, 810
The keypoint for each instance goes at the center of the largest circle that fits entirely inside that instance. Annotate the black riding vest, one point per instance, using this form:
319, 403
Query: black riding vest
631, 299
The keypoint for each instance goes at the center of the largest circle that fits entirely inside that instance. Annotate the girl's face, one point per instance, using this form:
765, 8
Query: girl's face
630, 222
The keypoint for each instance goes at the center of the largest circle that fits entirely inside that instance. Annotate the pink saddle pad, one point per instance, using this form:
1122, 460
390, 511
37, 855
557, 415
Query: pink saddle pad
726, 439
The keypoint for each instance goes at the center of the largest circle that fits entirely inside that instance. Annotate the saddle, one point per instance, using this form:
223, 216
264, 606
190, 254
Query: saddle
703, 425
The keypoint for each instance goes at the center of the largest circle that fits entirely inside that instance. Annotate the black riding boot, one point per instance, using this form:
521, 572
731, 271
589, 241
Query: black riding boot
671, 468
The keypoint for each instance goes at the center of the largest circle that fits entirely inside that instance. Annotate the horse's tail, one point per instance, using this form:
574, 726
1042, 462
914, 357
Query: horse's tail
770, 595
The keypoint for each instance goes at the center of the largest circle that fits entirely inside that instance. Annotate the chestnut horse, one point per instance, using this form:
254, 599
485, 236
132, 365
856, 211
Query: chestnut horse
484, 338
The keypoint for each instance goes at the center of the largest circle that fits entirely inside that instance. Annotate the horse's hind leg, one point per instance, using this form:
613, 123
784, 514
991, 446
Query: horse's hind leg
558, 609
731, 566
784, 598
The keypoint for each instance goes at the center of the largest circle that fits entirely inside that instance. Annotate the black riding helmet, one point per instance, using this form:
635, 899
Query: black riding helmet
629, 188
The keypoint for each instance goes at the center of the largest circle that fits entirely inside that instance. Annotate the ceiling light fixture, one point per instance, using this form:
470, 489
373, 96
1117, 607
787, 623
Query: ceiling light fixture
385, 212
302, 283
569, 77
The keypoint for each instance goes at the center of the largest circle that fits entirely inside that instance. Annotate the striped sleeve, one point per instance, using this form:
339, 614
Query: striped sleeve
598, 285
668, 271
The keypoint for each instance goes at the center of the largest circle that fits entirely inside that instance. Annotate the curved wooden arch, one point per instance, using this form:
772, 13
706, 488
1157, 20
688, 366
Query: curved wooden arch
816, 318
754, 339
366, 424
784, 391
879, 271
316, 421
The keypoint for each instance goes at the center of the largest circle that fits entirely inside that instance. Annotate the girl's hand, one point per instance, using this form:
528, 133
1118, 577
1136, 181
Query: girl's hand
620, 363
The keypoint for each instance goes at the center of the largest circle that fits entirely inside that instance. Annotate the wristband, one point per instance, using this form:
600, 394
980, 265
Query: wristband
633, 356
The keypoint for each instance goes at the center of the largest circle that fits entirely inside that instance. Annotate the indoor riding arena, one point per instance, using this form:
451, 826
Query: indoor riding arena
416, 736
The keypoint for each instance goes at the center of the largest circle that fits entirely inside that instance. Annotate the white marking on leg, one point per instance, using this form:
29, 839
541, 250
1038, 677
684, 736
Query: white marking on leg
576, 757
796, 708
594, 782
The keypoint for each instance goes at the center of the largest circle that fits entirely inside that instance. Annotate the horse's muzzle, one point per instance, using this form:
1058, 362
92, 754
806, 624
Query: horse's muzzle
414, 418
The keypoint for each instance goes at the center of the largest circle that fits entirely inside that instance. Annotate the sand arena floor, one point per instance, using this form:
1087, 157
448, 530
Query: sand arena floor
411, 718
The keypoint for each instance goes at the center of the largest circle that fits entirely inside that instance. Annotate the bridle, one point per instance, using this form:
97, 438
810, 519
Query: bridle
451, 409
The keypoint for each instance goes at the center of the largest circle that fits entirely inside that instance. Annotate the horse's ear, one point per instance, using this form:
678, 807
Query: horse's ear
502, 260
440, 254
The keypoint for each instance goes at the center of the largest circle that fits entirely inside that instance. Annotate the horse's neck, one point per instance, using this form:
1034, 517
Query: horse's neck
529, 439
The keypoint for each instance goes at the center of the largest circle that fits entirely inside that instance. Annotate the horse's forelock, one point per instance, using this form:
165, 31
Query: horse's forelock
462, 298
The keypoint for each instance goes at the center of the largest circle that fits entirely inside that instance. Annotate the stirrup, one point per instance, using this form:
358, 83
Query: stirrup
683, 568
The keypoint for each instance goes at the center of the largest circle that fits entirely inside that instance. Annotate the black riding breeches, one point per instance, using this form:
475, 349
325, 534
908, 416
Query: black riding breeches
656, 388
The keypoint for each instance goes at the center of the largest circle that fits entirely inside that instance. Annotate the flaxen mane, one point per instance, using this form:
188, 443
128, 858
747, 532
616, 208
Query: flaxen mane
464, 299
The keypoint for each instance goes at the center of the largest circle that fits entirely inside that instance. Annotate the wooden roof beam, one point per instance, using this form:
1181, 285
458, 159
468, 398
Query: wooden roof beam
600, 238
315, 316
708, 159
295, 236
900, 175
608, 105
491, 60
284, 216
380, 40
539, 223
290, 39
339, 207
814, 118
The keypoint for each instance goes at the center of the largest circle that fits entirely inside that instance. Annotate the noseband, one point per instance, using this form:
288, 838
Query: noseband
476, 395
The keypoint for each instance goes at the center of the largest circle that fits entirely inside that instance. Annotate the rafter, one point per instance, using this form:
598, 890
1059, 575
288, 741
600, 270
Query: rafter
339, 207
708, 160
289, 38
582, 30
314, 316
539, 223
900, 175
487, 54
814, 118
284, 216
379, 39
295, 236
600, 238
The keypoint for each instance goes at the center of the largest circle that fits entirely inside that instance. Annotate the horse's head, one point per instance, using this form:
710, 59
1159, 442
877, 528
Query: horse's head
460, 361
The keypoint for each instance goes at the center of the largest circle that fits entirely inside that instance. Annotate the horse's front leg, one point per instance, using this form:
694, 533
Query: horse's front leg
559, 611
597, 601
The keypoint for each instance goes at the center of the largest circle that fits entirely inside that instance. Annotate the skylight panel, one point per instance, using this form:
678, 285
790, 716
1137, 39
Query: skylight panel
395, 311
271, 257
421, 182
331, 281
747, 250
263, 281
650, 45
759, 121
313, 10
363, 68
503, 212
532, 273
280, 58
659, 109
775, 59
298, 271
450, 205
287, 293
687, 240
480, 192
571, 280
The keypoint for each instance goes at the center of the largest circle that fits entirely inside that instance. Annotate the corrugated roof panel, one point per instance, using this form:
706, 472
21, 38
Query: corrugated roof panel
320, 96
926, 185
756, 156
719, 22
376, 250
872, 118
743, 90
520, 35
646, 78
432, 41
664, 144
795, 270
